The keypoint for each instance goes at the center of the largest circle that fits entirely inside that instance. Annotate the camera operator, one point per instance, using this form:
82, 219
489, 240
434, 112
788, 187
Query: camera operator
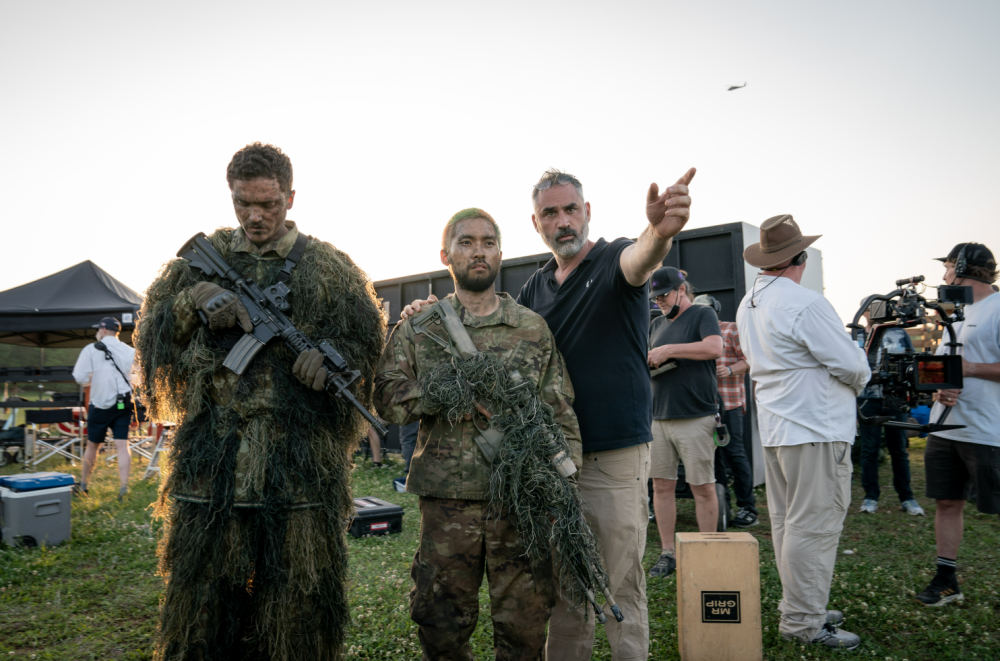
957, 459
104, 366
808, 374
684, 408
872, 404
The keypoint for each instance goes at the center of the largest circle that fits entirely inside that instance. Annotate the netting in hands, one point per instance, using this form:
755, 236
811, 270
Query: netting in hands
545, 507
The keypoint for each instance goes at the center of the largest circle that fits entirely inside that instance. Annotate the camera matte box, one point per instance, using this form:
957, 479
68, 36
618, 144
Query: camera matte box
376, 517
718, 597
35, 508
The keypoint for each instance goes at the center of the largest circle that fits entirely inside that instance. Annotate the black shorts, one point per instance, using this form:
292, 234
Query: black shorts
954, 467
99, 420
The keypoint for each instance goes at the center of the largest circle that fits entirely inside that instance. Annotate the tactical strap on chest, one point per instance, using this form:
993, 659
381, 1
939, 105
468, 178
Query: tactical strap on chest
293, 257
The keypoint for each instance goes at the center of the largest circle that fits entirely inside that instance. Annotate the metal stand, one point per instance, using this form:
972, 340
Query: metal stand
162, 437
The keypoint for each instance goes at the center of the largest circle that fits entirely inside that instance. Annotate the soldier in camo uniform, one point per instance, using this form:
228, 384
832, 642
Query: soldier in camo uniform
460, 534
258, 486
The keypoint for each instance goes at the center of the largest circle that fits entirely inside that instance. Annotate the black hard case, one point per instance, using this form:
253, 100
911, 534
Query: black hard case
376, 517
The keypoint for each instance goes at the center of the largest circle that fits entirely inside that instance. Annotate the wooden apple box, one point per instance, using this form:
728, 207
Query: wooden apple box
718, 597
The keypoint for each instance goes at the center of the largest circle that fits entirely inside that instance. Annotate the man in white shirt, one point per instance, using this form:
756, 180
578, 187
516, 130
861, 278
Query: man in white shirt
808, 374
106, 367
957, 459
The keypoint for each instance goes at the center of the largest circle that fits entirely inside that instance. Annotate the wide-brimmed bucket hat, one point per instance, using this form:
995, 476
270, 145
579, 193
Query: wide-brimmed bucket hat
780, 240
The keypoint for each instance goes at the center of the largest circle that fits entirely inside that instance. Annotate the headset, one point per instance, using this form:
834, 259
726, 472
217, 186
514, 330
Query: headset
962, 263
798, 260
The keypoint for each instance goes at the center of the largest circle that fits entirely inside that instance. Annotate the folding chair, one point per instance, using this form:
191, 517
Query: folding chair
62, 445
136, 446
164, 433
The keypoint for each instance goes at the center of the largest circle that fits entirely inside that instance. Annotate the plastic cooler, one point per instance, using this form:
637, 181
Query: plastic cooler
35, 508
376, 517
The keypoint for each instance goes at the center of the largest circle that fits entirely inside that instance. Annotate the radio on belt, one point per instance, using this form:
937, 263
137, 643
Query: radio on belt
376, 517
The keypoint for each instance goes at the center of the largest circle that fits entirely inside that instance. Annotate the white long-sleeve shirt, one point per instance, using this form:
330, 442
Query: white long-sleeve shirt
94, 369
807, 369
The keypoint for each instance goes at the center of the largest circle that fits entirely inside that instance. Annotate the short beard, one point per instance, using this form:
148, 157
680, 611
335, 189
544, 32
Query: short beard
569, 248
475, 283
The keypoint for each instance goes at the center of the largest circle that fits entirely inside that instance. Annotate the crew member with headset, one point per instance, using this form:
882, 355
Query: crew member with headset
808, 374
957, 459
106, 366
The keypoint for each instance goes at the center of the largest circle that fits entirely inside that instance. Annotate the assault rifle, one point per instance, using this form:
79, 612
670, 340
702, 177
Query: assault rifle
267, 308
442, 316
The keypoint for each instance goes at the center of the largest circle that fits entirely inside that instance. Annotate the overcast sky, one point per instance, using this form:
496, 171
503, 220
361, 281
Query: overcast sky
873, 123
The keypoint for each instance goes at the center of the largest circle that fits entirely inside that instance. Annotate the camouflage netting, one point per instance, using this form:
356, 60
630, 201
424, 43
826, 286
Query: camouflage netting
257, 492
545, 507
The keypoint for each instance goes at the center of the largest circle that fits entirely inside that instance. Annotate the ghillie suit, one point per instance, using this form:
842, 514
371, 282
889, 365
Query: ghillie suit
528, 452
257, 492
462, 535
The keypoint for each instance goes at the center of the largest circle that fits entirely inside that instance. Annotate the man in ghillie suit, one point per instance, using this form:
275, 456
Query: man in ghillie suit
461, 532
257, 494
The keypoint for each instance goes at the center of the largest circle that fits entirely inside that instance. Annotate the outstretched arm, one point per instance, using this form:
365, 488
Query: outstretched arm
667, 214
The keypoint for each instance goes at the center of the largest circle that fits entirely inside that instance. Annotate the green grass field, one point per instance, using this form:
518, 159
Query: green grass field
96, 597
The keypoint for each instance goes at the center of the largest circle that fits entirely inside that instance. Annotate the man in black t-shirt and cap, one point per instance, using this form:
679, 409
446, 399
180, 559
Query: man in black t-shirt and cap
685, 403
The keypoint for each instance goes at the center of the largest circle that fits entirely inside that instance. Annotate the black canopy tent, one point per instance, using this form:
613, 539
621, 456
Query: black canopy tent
60, 310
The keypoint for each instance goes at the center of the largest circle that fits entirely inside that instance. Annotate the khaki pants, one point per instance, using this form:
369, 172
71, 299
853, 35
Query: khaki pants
613, 486
808, 492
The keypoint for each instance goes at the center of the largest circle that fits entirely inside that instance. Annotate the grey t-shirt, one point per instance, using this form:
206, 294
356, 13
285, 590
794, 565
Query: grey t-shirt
690, 390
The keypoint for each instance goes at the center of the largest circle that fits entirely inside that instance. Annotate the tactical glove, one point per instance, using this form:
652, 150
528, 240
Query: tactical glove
222, 307
308, 369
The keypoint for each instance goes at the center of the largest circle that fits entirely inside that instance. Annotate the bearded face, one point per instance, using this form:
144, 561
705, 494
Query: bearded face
473, 255
562, 219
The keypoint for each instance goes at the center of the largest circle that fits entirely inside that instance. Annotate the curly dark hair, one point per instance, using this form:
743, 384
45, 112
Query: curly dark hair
260, 160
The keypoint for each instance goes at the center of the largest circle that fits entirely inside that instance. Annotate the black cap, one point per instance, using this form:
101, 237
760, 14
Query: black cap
109, 323
976, 254
665, 280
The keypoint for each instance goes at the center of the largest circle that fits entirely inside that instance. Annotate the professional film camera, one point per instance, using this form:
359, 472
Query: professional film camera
905, 377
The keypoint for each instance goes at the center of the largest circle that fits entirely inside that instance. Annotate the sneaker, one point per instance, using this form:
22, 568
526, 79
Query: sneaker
869, 506
912, 508
121, 493
836, 618
664, 566
80, 490
744, 519
831, 636
942, 590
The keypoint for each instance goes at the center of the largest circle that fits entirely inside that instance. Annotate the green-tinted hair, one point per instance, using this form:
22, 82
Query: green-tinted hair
466, 214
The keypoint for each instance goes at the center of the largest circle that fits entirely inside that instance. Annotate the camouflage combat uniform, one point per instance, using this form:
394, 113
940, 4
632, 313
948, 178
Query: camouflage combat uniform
460, 535
257, 486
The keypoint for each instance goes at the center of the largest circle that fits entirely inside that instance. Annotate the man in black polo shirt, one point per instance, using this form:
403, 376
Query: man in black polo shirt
593, 296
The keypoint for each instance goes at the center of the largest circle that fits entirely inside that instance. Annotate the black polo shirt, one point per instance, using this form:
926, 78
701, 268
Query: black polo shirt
600, 323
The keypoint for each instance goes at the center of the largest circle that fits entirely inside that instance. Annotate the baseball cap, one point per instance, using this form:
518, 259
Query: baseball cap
109, 323
976, 254
664, 281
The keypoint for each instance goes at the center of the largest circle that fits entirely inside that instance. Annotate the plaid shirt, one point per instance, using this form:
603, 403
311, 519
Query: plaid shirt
731, 387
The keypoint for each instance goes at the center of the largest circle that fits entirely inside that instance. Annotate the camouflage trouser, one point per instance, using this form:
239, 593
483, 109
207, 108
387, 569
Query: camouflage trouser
458, 540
